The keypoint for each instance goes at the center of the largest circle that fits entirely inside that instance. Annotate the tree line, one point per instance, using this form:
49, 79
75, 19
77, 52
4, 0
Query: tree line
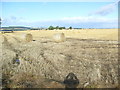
57, 27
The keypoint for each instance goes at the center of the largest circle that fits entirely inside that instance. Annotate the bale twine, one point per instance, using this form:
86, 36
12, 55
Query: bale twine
59, 37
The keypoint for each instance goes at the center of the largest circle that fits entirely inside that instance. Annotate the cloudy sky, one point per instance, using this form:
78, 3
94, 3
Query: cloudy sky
75, 14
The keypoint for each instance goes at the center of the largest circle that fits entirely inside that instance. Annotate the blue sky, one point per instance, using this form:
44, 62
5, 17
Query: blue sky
75, 14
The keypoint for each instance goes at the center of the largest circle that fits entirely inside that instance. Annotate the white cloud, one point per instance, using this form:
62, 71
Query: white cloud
83, 22
88, 19
105, 10
12, 20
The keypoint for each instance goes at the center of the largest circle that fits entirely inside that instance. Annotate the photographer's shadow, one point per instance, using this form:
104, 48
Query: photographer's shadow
71, 81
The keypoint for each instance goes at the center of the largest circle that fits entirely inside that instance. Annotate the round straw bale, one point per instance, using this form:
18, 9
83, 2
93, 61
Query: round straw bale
25, 37
59, 37
29, 37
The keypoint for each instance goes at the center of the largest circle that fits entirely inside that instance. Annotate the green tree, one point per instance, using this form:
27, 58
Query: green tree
63, 27
60, 28
51, 28
57, 27
70, 27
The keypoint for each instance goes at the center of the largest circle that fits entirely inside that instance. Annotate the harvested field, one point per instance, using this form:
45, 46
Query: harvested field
92, 55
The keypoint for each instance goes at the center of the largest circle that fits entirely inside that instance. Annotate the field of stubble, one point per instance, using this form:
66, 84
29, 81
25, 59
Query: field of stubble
91, 54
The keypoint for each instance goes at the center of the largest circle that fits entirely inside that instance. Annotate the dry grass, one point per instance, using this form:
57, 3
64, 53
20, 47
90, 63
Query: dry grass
103, 34
90, 54
26, 80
